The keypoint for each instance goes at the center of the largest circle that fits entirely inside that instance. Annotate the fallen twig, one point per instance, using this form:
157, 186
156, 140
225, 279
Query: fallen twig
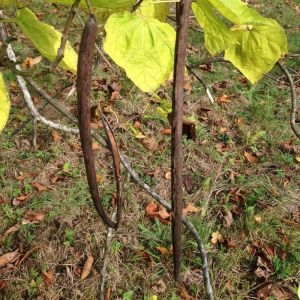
109, 236
293, 113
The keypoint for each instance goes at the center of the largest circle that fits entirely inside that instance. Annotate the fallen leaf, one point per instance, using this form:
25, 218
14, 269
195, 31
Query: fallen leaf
29, 62
39, 186
87, 267
163, 250
224, 99
2, 285
9, 258
166, 131
190, 208
48, 277
184, 294
250, 158
297, 159
10, 230
33, 217
216, 237
250, 250
228, 218
163, 214
56, 136
264, 292
258, 219
188, 127
168, 175
153, 210
262, 273
95, 146
150, 143
159, 287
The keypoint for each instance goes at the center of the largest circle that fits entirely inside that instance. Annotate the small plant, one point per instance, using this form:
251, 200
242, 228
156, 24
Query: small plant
69, 237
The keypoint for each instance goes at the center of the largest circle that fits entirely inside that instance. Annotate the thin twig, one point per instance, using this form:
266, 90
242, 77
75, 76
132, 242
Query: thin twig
100, 52
136, 6
293, 113
110, 232
64, 38
28, 100
206, 88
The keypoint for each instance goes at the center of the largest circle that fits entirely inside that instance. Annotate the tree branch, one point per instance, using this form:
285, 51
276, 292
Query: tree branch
293, 113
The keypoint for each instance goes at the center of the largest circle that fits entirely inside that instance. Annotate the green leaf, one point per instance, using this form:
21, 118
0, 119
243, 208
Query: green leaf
99, 3
217, 36
143, 47
248, 44
8, 3
256, 50
45, 38
4, 103
237, 11
153, 9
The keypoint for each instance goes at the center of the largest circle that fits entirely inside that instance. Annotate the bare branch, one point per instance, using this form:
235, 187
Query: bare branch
64, 38
293, 113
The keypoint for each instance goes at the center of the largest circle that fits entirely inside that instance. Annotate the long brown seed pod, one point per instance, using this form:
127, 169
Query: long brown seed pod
84, 75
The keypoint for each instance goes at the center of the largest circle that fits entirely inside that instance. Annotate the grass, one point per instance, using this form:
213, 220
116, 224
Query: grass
254, 207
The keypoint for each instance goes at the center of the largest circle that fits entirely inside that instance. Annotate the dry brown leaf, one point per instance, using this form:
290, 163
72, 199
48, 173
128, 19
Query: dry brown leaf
150, 143
168, 175
166, 131
100, 178
159, 287
184, 294
33, 217
2, 285
216, 237
228, 218
87, 267
154, 210
48, 277
56, 136
258, 219
10, 230
262, 273
163, 214
163, 250
39, 186
190, 208
224, 99
9, 258
250, 250
29, 62
250, 158
24, 176
95, 146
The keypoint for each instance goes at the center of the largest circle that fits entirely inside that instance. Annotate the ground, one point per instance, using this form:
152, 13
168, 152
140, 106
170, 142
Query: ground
241, 184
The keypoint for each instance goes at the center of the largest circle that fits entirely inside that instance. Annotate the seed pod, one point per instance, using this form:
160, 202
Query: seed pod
84, 75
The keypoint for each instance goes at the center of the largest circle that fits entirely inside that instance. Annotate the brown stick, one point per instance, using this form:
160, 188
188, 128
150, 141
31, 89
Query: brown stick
182, 18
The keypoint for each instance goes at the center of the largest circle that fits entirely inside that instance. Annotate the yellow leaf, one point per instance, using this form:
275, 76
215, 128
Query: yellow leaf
4, 103
298, 159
